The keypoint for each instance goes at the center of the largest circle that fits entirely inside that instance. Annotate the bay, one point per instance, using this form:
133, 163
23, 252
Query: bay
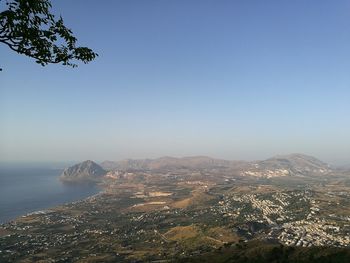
25, 189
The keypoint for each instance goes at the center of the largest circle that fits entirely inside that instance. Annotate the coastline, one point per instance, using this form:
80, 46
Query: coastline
53, 209
54, 203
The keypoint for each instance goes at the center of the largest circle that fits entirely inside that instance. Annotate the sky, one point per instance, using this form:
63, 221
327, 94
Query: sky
228, 79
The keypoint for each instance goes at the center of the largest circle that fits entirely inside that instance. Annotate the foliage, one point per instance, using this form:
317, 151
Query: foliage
261, 252
29, 28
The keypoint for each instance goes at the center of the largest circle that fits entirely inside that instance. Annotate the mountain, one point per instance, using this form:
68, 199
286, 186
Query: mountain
280, 165
85, 171
288, 165
194, 162
298, 160
298, 164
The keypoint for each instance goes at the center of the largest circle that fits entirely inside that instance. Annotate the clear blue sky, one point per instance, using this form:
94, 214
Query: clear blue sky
228, 79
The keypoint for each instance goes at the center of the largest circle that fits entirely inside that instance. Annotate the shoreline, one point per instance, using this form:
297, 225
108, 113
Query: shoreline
99, 188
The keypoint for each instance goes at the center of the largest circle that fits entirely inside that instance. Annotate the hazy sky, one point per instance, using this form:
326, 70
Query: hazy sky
228, 79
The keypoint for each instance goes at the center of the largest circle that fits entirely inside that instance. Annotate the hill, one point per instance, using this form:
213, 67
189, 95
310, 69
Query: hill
263, 252
85, 171
288, 165
192, 162
281, 165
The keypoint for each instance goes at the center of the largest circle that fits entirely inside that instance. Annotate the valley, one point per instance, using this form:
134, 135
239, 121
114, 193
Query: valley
182, 211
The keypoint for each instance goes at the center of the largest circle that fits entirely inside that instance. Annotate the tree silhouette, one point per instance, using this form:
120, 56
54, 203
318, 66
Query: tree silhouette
29, 28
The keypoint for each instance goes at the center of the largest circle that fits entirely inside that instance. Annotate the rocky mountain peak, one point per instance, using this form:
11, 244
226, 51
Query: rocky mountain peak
87, 170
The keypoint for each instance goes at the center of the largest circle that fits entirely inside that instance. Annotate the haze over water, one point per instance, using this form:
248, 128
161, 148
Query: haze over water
26, 189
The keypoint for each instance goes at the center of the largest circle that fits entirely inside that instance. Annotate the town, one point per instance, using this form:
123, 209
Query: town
152, 216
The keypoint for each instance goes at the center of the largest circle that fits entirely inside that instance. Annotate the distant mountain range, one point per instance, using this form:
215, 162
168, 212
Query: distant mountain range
292, 165
167, 163
281, 165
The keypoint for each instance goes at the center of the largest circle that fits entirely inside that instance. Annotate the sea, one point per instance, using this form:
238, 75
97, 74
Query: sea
29, 188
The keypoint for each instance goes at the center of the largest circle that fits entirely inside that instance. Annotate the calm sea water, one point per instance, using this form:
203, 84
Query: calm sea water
28, 189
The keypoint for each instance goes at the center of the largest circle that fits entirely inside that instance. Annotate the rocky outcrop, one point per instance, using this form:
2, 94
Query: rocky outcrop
85, 171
